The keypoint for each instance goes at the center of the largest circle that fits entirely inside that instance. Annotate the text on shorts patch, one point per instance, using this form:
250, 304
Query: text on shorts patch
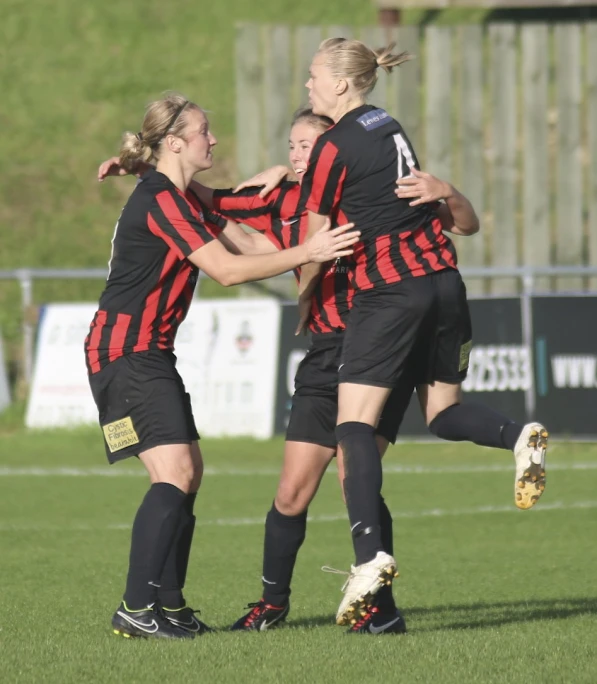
120, 434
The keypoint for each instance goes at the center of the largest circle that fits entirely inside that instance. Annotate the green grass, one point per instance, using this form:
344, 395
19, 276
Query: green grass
502, 596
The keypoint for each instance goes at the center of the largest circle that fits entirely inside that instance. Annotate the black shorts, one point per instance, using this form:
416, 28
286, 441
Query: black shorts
142, 404
315, 400
416, 330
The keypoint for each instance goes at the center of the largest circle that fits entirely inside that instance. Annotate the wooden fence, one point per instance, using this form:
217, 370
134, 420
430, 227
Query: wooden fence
507, 112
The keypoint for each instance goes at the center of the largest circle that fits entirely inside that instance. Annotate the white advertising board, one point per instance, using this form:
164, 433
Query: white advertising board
227, 354
60, 394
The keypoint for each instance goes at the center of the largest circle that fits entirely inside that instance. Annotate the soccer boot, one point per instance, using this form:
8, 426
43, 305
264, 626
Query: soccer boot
376, 621
364, 581
529, 454
184, 618
262, 616
147, 623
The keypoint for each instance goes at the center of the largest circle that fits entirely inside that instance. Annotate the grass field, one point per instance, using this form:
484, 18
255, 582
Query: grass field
491, 594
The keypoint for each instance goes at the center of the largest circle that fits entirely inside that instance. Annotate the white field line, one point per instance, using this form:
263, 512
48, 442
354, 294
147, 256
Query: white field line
240, 522
116, 471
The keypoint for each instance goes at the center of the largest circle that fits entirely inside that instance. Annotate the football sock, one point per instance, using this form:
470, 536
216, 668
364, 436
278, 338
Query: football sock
154, 531
362, 487
284, 536
385, 598
175, 570
476, 423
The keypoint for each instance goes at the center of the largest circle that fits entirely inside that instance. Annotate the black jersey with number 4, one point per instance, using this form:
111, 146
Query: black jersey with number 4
352, 177
150, 281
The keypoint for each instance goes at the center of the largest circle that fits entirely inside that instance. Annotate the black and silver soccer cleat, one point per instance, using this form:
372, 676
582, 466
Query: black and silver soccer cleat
149, 623
374, 621
262, 616
184, 618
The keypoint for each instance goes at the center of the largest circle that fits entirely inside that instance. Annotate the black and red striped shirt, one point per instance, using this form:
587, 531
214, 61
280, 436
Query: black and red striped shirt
281, 220
352, 176
150, 280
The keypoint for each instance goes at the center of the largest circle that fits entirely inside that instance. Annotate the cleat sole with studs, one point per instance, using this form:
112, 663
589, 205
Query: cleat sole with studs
532, 484
360, 605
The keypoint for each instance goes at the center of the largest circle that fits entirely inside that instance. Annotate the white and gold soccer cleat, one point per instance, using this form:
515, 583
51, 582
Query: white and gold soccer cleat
364, 581
529, 454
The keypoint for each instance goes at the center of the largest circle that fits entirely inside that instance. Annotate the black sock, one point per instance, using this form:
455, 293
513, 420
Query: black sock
284, 536
362, 487
174, 573
476, 423
154, 530
385, 598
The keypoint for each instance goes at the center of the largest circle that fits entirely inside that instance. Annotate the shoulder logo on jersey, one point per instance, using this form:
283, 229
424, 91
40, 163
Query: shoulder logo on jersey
374, 119
120, 434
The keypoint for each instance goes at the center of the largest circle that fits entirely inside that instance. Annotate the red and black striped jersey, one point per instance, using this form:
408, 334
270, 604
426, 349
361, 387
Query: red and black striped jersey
352, 177
281, 219
150, 281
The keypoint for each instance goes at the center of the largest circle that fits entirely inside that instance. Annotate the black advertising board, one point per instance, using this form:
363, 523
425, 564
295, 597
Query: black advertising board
560, 379
291, 352
565, 356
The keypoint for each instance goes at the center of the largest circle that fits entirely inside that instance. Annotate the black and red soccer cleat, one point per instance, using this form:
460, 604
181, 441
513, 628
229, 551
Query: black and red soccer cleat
375, 621
262, 616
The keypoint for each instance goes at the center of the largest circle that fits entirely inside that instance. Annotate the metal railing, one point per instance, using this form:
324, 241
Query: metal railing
527, 275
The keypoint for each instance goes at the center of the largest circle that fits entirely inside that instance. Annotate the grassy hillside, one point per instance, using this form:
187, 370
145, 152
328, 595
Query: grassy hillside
74, 76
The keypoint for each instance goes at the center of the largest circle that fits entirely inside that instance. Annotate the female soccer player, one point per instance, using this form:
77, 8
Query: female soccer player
409, 308
163, 236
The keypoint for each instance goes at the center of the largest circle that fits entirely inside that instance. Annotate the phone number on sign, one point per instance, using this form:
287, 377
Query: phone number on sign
503, 368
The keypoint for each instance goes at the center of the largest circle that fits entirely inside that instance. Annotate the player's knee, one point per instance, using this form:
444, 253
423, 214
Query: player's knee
440, 420
181, 473
292, 499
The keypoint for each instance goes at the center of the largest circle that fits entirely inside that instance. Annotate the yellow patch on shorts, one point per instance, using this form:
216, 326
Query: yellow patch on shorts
465, 352
120, 434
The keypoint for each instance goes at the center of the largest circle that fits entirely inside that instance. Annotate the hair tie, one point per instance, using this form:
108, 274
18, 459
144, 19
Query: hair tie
139, 137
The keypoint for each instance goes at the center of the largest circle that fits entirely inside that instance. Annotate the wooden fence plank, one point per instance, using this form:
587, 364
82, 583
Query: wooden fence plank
471, 251
408, 78
502, 38
438, 102
374, 37
277, 81
569, 227
340, 31
536, 243
306, 41
249, 81
591, 93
